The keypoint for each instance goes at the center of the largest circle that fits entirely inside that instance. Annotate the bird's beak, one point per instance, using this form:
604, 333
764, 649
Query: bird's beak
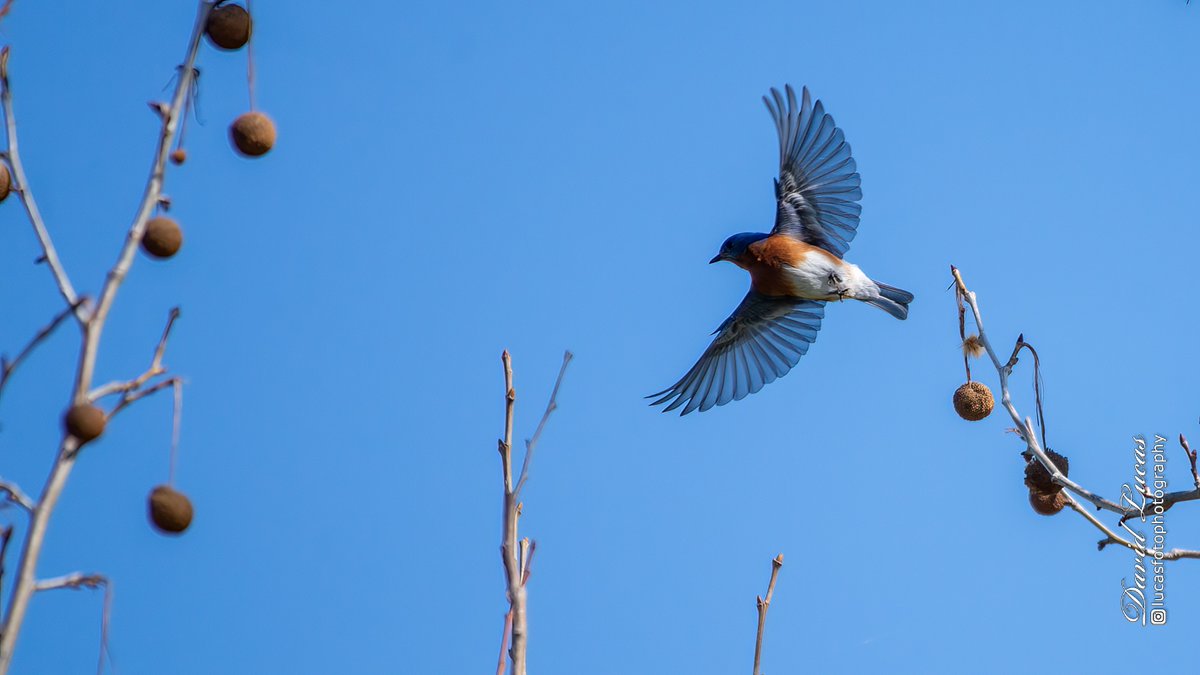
716, 258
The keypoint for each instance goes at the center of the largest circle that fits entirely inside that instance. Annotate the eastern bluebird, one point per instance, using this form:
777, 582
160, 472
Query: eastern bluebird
794, 270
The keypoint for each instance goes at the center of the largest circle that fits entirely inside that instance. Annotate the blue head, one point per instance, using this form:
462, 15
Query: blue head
736, 245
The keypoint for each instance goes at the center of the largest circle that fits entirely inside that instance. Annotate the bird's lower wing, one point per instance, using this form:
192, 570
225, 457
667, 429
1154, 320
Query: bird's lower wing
763, 339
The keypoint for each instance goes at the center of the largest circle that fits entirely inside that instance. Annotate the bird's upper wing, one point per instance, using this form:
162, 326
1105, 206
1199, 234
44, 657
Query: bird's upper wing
818, 186
760, 342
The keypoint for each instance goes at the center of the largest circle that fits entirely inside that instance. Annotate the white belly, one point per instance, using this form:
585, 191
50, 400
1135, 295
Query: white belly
818, 277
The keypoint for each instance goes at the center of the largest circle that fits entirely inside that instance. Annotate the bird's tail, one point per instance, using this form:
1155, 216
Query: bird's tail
892, 300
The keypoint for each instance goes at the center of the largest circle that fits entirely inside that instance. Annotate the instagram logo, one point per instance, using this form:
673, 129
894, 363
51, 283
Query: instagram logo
1158, 617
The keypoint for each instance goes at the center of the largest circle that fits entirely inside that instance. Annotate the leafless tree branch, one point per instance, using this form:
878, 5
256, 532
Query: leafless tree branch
26, 583
134, 396
76, 581
517, 554
763, 606
5, 537
14, 494
7, 367
156, 367
1024, 427
21, 187
1191, 455
551, 406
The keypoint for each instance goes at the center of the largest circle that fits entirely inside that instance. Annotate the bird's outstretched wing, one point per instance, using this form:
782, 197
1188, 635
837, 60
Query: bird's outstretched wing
818, 186
760, 342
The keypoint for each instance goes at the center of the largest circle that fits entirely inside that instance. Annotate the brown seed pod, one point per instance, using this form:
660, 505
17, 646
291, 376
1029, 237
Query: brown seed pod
229, 27
1038, 478
5, 181
973, 401
85, 422
162, 237
253, 134
170, 510
179, 156
1047, 504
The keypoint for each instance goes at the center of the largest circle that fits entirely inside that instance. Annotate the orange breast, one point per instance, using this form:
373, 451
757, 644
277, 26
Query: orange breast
766, 261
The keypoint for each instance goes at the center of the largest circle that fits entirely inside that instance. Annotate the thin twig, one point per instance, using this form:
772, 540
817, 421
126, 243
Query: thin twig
14, 494
156, 367
21, 187
1191, 455
134, 396
551, 406
7, 367
1112, 537
503, 660
763, 606
5, 537
77, 581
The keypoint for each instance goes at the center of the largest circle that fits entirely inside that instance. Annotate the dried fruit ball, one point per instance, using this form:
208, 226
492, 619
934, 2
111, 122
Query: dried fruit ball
253, 134
5, 181
85, 422
1047, 504
179, 156
229, 27
973, 401
170, 510
162, 237
1038, 478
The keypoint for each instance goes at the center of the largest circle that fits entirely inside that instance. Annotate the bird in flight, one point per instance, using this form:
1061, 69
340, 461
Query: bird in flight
794, 270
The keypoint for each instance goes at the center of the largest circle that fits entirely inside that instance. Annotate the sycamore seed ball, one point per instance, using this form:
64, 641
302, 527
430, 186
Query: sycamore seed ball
229, 27
973, 401
179, 156
162, 237
1047, 504
253, 134
1038, 478
85, 422
5, 181
170, 510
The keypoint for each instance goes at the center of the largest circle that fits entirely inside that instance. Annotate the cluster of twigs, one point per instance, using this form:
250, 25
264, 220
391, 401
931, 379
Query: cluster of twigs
1073, 492
516, 552
90, 317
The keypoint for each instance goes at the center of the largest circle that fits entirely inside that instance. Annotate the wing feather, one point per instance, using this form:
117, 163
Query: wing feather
818, 188
760, 342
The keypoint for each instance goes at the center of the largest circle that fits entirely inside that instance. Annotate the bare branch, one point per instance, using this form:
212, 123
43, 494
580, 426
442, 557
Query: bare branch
1191, 455
77, 581
508, 542
7, 367
26, 582
74, 580
551, 406
134, 396
21, 187
14, 494
5, 537
156, 367
505, 637
517, 556
763, 606
1025, 428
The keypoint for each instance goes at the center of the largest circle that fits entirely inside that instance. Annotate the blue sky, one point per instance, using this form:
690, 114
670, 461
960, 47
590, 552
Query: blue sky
453, 180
